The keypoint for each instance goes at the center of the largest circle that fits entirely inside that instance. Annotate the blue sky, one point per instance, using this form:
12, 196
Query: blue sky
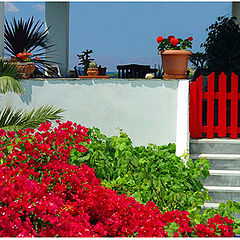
125, 32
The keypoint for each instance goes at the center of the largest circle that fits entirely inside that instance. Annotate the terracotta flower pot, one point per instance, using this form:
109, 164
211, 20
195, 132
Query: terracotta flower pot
25, 69
92, 72
174, 63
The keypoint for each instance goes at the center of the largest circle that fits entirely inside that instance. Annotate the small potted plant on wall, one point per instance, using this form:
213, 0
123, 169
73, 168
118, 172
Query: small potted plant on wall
24, 63
92, 69
174, 56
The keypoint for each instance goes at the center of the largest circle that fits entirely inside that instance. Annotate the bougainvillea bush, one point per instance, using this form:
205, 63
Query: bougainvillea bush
42, 195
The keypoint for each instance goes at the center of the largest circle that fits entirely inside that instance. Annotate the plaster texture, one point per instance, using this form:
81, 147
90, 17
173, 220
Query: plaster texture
145, 109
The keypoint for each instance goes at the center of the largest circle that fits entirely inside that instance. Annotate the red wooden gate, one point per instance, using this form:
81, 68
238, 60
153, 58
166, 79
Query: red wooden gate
197, 95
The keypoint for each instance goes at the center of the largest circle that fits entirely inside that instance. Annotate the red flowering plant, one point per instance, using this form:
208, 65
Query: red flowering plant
172, 43
42, 195
23, 57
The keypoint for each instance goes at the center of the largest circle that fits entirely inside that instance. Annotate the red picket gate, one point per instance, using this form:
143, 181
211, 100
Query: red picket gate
197, 96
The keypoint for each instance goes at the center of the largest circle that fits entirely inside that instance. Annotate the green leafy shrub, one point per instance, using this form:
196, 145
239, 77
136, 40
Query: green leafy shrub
152, 173
222, 45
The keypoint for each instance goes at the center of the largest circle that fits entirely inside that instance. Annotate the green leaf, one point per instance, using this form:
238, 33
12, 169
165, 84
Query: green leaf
12, 120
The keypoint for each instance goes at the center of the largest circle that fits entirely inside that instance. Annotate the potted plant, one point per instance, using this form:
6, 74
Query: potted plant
92, 69
30, 36
174, 56
85, 59
24, 63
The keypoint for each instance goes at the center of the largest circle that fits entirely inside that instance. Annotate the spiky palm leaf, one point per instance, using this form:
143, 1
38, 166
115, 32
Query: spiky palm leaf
13, 120
20, 35
28, 35
8, 69
9, 78
9, 84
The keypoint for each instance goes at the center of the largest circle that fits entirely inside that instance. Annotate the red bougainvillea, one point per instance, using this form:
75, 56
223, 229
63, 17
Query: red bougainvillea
41, 195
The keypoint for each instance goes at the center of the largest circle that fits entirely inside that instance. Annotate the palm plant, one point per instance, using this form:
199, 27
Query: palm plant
18, 119
8, 78
20, 35
13, 120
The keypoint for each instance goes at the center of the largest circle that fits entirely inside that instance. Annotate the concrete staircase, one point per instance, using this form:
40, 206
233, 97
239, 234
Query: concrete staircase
224, 155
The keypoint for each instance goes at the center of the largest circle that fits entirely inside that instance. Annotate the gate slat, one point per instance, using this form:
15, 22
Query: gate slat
199, 89
192, 110
222, 106
210, 106
234, 106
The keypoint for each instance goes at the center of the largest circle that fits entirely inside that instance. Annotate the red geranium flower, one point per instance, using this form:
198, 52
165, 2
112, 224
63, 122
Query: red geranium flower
37, 58
159, 39
19, 55
190, 39
170, 37
174, 41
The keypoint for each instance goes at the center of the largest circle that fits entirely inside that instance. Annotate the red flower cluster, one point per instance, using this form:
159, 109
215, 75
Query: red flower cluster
216, 226
159, 39
23, 57
42, 195
172, 43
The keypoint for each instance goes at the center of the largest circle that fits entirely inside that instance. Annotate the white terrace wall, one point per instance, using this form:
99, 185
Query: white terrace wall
146, 109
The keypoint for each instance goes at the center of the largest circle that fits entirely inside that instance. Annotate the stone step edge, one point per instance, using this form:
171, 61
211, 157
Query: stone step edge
215, 156
210, 205
222, 189
215, 140
224, 172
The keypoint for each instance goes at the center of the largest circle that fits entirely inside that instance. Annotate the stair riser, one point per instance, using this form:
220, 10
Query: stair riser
220, 164
218, 197
230, 148
230, 181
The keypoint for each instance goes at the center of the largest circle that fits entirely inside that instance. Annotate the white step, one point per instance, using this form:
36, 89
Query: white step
222, 189
220, 161
210, 205
224, 172
215, 140
210, 156
215, 146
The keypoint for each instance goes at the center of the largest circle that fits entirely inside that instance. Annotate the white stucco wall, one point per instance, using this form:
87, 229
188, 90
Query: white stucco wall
145, 109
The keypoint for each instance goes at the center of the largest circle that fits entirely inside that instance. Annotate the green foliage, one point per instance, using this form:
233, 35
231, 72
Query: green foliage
92, 65
9, 78
198, 59
182, 44
171, 228
222, 45
8, 69
228, 209
152, 173
14, 120
18, 119
85, 59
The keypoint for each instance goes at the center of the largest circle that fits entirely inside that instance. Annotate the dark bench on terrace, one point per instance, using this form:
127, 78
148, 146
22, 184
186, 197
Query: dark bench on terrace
135, 71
